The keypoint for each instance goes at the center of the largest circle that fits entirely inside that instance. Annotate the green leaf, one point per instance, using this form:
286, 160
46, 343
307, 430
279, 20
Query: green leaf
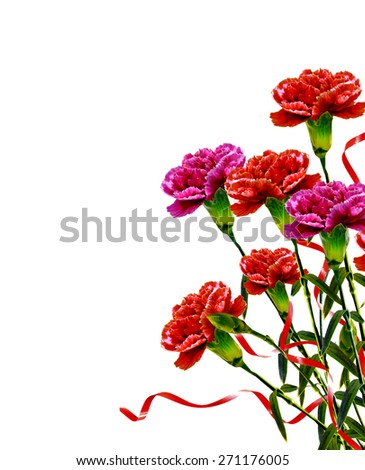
360, 279
228, 323
334, 351
287, 388
356, 317
329, 439
226, 348
356, 427
283, 367
295, 288
276, 413
348, 400
340, 395
322, 286
331, 329
345, 378
305, 373
328, 302
321, 414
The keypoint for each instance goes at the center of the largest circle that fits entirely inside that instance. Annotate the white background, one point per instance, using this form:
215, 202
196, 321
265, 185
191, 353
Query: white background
99, 99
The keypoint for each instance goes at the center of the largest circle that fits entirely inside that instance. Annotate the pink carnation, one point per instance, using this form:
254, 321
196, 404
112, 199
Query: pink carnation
324, 207
199, 176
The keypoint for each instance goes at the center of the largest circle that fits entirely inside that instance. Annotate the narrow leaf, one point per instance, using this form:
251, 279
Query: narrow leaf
347, 400
340, 394
322, 418
295, 288
359, 278
283, 367
276, 413
328, 302
305, 373
356, 317
287, 388
328, 436
356, 427
334, 351
322, 286
331, 329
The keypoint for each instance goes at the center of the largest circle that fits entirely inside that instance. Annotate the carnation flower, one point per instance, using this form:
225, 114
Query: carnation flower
314, 98
324, 207
315, 93
269, 175
199, 176
189, 331
360, 260
264, 268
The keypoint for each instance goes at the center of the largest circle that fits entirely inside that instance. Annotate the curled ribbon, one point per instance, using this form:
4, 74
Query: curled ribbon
345, 161
265, 402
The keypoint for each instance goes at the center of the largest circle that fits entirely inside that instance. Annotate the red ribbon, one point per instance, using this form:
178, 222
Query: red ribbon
345, 161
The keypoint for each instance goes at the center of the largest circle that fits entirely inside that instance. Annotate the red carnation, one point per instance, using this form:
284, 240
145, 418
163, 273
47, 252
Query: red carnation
189, 330
269, 175
264, 268
315, 93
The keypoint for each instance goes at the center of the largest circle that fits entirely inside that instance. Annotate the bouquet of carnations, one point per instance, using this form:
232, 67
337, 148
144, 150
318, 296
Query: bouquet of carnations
312, 212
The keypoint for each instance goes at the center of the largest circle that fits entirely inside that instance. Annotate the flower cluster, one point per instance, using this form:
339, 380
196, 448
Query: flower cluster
302, 206
190, 330
199, 176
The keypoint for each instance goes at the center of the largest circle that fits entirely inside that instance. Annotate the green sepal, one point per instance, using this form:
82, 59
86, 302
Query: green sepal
280, 298
220, 211
335, 244
228, 323
226, 348
278, 212
320, 133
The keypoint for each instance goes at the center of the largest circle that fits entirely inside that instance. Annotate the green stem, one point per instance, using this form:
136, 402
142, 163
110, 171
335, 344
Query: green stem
326, 175
233, 238
352, 339
272, 343
280, 393
352, 288
307, 297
